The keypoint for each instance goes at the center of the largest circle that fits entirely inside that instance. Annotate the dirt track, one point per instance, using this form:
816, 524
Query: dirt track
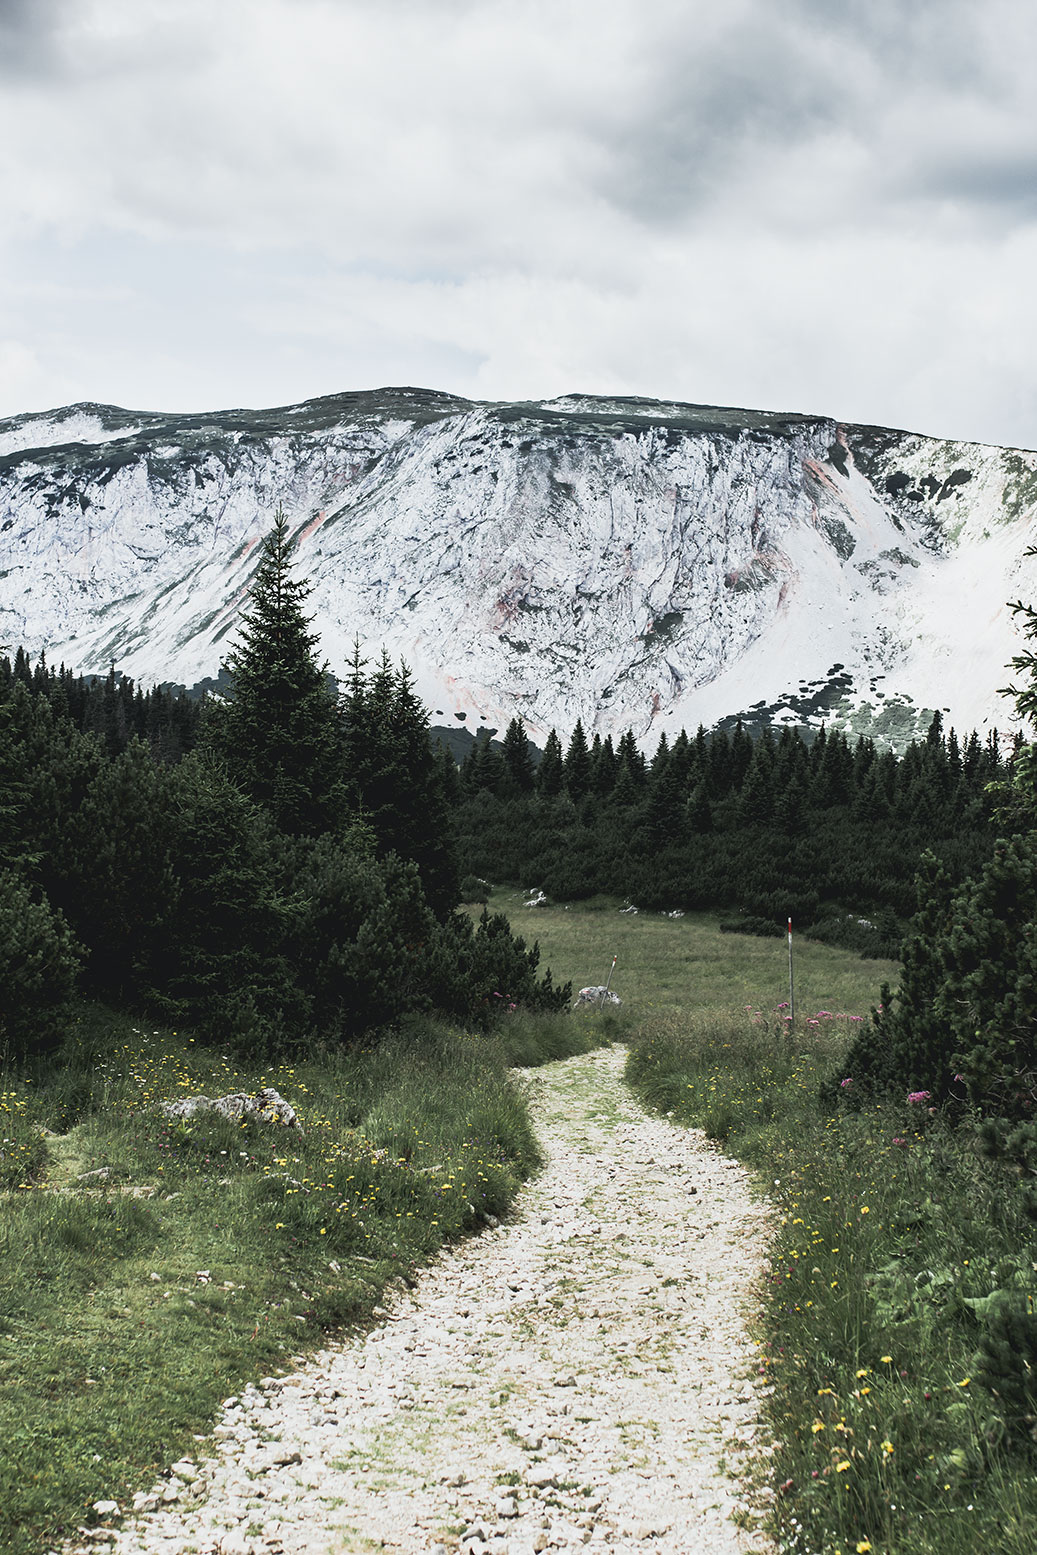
577, 1376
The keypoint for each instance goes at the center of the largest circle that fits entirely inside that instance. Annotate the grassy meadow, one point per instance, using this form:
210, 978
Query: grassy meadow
670, 966
891, 1232
201, 1255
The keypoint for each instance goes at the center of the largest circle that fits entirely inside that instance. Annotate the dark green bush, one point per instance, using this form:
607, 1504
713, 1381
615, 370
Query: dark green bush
38, 968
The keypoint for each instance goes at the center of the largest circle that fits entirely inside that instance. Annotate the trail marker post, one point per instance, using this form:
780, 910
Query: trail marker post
792, 994
608, 984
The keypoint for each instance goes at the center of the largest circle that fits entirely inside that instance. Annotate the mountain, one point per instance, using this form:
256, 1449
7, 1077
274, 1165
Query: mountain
631, 562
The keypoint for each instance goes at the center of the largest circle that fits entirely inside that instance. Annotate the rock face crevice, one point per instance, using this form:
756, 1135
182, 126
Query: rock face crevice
631, 563
576, 1376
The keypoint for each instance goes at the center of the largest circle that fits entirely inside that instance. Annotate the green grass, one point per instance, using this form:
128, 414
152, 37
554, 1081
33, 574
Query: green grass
685, 964
891, 1230
133, 1302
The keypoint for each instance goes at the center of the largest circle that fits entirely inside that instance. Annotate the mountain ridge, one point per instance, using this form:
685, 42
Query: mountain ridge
633, 562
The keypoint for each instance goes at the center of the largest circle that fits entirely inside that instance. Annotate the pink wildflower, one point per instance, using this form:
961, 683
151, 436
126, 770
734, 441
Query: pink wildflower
916, 1096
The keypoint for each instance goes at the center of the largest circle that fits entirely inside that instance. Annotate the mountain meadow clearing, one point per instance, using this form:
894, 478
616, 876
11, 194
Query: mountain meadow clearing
153, 1266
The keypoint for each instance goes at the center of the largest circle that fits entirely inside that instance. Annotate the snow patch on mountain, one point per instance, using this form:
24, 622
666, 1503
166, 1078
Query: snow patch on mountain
75, 424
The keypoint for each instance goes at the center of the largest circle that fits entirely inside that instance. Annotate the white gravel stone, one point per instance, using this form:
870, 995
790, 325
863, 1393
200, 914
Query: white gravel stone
603, 1326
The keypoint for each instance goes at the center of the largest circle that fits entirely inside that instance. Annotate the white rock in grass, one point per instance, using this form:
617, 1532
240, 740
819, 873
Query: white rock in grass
236, 1543
106, 1508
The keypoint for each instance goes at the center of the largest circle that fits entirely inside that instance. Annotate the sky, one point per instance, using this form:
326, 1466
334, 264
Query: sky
809, 205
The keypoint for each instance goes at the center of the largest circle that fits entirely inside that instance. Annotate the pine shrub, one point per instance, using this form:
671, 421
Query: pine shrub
38, 969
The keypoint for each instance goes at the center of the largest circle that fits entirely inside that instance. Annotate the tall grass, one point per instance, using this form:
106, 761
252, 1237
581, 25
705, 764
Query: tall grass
149, 1267
891, 1230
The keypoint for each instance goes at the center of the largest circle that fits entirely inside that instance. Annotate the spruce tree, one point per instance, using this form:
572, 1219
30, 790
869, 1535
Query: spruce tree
394, 778
518, 763
278, 731
630, 759
606, 766
551, 771
578, 772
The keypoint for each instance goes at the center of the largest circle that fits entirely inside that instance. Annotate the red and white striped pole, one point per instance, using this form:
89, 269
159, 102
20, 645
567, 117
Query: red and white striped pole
792, 995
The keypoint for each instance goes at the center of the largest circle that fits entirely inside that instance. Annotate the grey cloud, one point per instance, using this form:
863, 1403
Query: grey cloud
995, 186
710, 106
29, 31
741, 111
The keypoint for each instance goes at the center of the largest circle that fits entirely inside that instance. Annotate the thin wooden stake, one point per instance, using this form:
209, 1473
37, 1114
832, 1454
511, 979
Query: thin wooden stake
792, 993
608, 984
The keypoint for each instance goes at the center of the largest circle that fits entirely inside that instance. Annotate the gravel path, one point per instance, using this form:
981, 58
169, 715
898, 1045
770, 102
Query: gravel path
580, 1375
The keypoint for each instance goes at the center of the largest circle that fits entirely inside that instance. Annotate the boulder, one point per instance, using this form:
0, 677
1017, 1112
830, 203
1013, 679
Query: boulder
267, 1106
599, 995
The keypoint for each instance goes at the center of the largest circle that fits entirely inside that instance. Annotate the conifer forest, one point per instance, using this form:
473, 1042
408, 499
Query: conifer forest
282, 866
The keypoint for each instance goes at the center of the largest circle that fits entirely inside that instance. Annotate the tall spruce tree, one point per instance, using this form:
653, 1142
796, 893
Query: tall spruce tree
517, 761
550, 774
578, 769
394, 778
278, 732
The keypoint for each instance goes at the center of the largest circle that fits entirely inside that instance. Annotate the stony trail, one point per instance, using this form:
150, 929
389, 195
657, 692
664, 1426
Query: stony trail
580, 1375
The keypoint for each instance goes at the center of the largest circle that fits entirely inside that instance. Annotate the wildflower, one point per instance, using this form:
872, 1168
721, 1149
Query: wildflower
964, 1382
841, 1467
914, 1097
887, 1448
844, 1083
886, 1359
898, 1139
863, 1545
818, 1425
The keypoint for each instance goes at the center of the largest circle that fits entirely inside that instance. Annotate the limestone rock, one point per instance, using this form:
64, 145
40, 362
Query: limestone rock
265, 1106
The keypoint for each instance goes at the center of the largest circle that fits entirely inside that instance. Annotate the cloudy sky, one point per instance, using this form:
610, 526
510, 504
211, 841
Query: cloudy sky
815, 205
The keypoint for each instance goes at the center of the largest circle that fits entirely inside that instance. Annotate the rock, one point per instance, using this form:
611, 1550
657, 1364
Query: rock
265, 1106
106, 1508
507, 1507
596, 995
541, 1477
236, 1543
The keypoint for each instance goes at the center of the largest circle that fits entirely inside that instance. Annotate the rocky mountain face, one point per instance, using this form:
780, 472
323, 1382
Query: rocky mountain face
631, 562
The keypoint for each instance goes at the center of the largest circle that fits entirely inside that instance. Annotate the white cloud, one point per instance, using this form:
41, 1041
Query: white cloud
814, 206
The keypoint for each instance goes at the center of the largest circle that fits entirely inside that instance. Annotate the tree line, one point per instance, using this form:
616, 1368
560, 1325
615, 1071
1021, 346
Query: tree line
789, 823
